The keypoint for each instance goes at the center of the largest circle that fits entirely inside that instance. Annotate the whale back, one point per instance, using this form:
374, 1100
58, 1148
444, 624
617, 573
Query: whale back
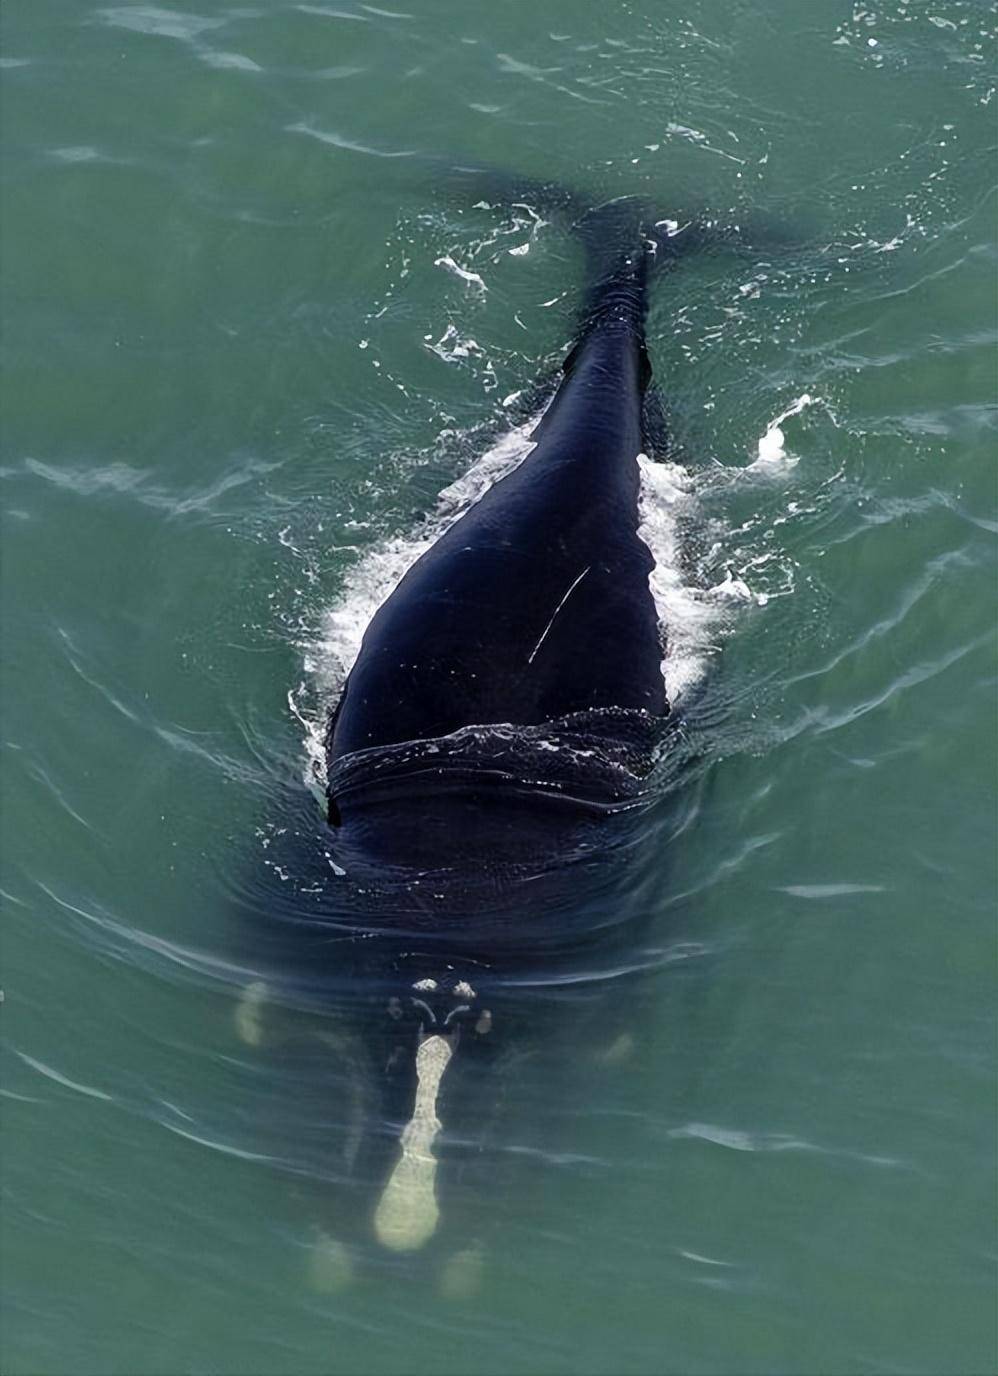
535, 604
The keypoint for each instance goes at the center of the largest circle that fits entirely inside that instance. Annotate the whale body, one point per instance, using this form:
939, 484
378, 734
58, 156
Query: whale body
491, 741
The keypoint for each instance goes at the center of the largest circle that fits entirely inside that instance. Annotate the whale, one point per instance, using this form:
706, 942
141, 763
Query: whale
486, 760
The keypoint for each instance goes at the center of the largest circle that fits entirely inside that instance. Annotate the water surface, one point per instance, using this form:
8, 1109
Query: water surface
246, 349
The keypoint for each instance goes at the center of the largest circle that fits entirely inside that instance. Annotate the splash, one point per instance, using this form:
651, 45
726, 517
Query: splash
772, 454
690, 613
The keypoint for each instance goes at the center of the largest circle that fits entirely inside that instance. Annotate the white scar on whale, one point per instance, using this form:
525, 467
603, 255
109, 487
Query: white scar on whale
407, 1213
575, 584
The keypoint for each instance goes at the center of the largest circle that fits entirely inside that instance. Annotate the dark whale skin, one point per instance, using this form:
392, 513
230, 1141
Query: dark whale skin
536, 603
488, 768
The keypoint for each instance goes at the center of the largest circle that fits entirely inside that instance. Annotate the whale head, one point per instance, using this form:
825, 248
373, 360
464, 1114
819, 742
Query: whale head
430, 1016
441, 1004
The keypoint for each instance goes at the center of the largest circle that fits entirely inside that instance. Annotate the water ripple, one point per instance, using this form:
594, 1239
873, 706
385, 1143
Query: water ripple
51, 1074
123, 479
160, 22
736, 1139
352, 145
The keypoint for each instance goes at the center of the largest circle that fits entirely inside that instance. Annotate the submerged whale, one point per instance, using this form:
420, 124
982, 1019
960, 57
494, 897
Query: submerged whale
491, 742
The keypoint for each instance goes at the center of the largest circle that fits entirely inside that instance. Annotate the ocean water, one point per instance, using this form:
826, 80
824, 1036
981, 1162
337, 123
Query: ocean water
254, 360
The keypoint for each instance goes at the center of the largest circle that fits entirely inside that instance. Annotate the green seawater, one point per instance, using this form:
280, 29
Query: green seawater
239, 368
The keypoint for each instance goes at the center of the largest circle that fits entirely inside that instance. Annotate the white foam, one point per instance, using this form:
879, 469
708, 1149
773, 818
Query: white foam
772, 452
691, 615
465, 274
450, 346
